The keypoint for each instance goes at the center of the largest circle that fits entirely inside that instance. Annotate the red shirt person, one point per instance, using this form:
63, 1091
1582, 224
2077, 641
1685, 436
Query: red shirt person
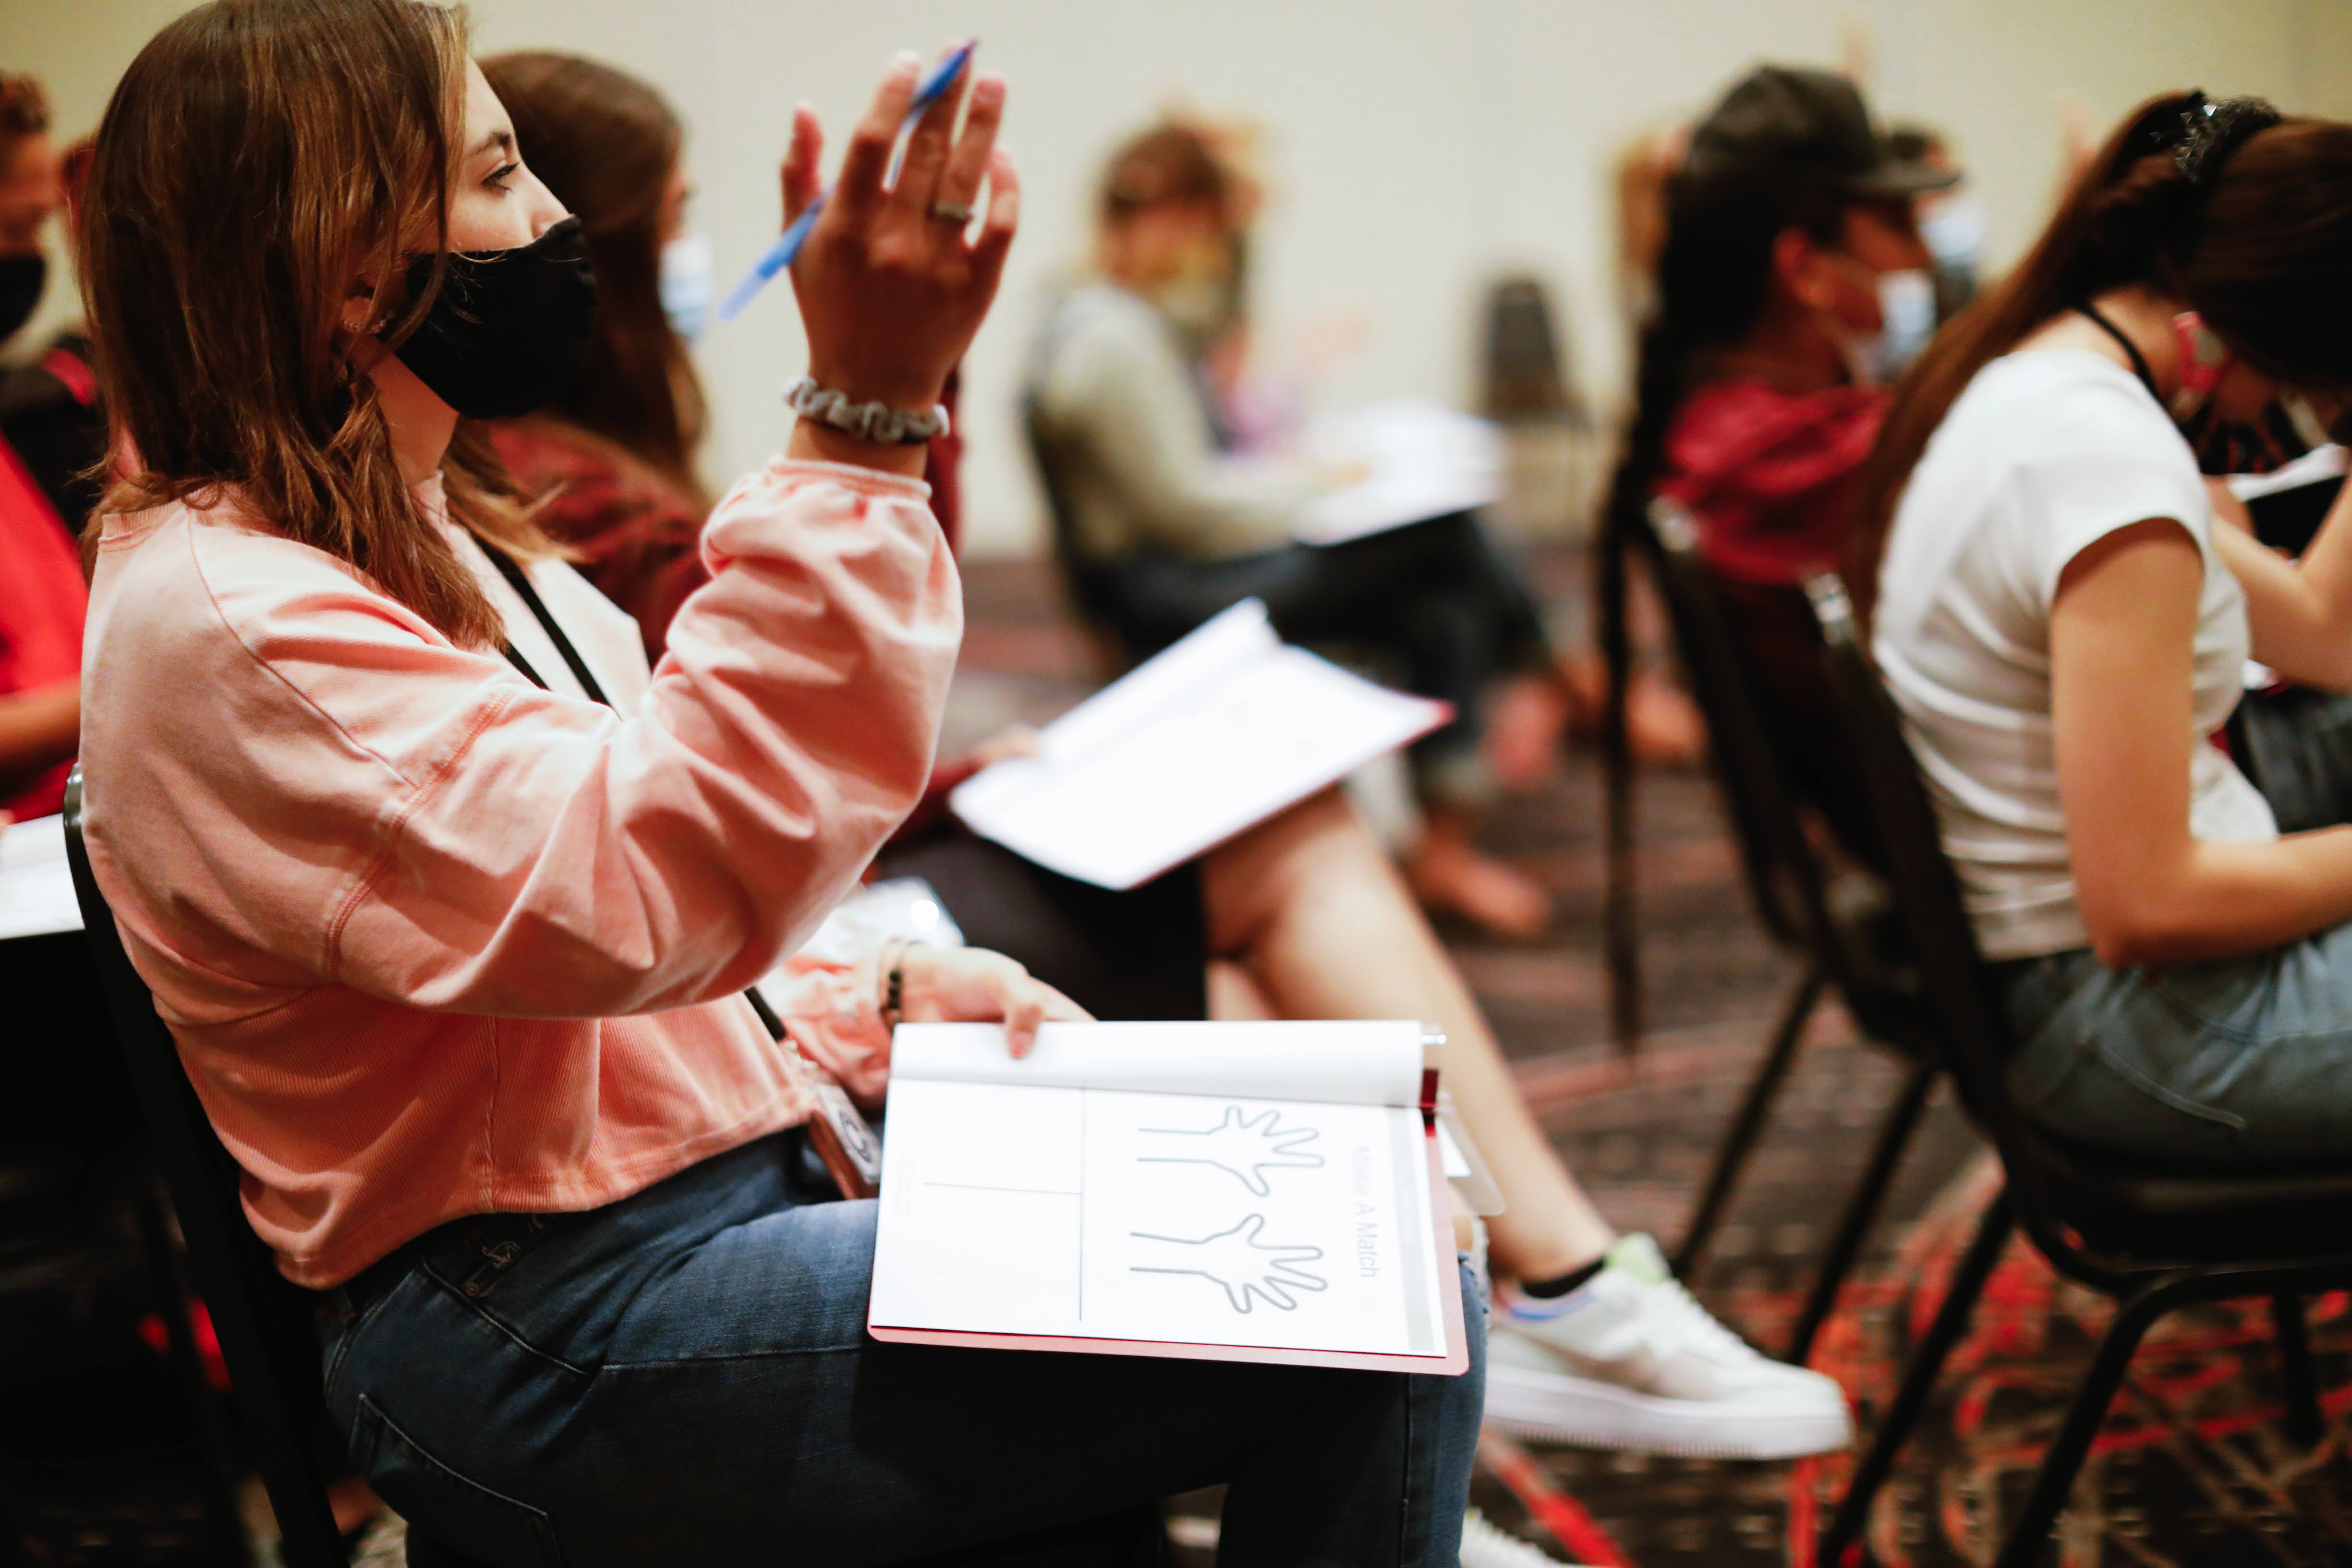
42, 594
1791, 283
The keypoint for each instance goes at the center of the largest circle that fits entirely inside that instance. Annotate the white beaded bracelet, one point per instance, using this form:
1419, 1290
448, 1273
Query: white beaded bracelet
876, 422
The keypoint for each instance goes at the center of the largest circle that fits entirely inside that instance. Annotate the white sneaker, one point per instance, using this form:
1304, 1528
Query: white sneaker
1484, 1546
1630, 1360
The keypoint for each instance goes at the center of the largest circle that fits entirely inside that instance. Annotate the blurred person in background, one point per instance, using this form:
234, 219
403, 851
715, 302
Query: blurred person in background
1301, 917
1162, 523
1952, 220
1791, 286
42, 597
50, 411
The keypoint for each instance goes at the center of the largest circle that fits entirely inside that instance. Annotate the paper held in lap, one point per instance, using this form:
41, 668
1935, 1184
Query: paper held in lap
1212, 736
1231, 1191
1420, 460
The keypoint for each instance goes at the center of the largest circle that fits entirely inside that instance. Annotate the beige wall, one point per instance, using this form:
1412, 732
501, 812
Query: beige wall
1417, 146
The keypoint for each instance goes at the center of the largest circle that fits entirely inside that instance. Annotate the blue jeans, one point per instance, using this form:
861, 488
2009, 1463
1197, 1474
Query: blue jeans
684, 1377
2247, 1062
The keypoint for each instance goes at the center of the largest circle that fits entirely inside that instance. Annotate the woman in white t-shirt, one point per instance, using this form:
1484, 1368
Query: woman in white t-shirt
2065, 627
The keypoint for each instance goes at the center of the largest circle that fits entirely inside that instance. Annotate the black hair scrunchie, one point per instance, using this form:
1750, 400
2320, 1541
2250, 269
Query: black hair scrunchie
2213, 130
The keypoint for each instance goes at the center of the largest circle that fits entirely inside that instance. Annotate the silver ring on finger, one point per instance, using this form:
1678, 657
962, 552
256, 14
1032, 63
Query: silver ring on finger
956, 213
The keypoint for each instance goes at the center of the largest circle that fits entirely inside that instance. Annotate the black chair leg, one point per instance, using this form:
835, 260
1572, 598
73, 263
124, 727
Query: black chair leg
1620, 922
1862, 1210
1748, 1124
2029, 1540
12, 1524
174, 1301
1919, 1382
2304, 1422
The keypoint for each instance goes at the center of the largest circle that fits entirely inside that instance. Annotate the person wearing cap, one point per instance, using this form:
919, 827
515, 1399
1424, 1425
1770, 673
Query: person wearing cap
42, 597
1792, 285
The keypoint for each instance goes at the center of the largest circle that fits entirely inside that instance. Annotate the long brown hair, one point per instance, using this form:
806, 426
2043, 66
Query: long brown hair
2259, 243
606, 144
1714, 277
258, 156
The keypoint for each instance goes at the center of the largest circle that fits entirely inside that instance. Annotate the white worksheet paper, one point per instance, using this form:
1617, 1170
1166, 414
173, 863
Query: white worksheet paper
1421, 460
1210, 1219
1214, 736
37, 894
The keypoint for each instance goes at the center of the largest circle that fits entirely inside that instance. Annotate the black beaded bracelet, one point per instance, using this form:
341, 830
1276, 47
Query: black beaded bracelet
894, 986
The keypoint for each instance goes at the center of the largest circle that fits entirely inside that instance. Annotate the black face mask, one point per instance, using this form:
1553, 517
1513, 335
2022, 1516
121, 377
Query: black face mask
510, 328
21, 279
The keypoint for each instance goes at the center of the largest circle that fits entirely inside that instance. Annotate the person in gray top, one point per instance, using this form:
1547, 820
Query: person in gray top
1161, 524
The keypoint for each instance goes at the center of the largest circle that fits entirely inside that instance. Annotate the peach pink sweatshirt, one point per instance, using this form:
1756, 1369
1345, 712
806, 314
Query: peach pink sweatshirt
434, 941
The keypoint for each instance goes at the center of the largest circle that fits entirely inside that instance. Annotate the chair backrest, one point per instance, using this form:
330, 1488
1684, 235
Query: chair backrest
262, 1321
1972, 1026
1784, 876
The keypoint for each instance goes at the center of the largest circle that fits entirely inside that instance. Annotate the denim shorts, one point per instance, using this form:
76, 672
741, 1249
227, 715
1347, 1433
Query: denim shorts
2246, 1061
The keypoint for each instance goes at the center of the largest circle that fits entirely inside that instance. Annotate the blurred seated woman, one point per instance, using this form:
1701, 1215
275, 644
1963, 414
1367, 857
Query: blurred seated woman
1162, 526
2066, 630
453, 958
1303, 916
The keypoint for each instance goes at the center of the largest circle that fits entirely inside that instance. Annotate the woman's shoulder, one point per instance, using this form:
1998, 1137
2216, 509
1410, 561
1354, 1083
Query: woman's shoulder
2039, 403
208, 571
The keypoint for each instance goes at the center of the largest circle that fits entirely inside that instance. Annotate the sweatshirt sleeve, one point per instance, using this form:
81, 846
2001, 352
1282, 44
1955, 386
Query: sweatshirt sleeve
1118, 386
363, 803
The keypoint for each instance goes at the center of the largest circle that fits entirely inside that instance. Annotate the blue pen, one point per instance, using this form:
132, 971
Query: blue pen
788, 244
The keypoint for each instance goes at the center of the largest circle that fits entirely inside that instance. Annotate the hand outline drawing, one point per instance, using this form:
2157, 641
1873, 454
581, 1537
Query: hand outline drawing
1237, 1262
1244, 1147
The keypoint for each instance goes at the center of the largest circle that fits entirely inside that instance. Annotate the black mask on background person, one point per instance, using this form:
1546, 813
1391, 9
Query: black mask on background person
22, 277
510, 328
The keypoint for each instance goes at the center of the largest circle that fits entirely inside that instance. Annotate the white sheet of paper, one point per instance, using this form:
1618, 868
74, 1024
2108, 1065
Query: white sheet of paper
1209, 1219
1425, 459
1212, 737
2320, 464
36, 896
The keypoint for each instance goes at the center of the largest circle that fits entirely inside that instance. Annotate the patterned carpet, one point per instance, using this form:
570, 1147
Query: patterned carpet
2192, 1469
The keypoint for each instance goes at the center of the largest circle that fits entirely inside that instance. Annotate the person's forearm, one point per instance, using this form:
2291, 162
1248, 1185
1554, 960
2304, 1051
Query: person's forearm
2326, 565
38, 730
2298, 627
2226, 900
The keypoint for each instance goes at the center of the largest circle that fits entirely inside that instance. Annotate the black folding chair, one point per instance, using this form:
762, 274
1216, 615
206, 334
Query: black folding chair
263, 1323
1088, 584
1836, 941
2155, 1237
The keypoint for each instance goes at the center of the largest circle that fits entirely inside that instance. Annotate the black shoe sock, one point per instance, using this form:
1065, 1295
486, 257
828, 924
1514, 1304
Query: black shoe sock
1559, 1285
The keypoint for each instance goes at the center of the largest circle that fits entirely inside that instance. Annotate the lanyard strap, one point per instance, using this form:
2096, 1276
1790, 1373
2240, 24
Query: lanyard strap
2138, 360
838, 1133
519, 580
512, 570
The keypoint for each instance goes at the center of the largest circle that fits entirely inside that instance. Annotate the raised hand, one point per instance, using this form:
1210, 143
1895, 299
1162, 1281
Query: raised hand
1245, 1268
1246, 1147
890, 288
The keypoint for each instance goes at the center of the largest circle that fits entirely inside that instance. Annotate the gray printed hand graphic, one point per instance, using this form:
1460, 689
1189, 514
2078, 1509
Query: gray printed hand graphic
1236, 1261
1244, 1146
